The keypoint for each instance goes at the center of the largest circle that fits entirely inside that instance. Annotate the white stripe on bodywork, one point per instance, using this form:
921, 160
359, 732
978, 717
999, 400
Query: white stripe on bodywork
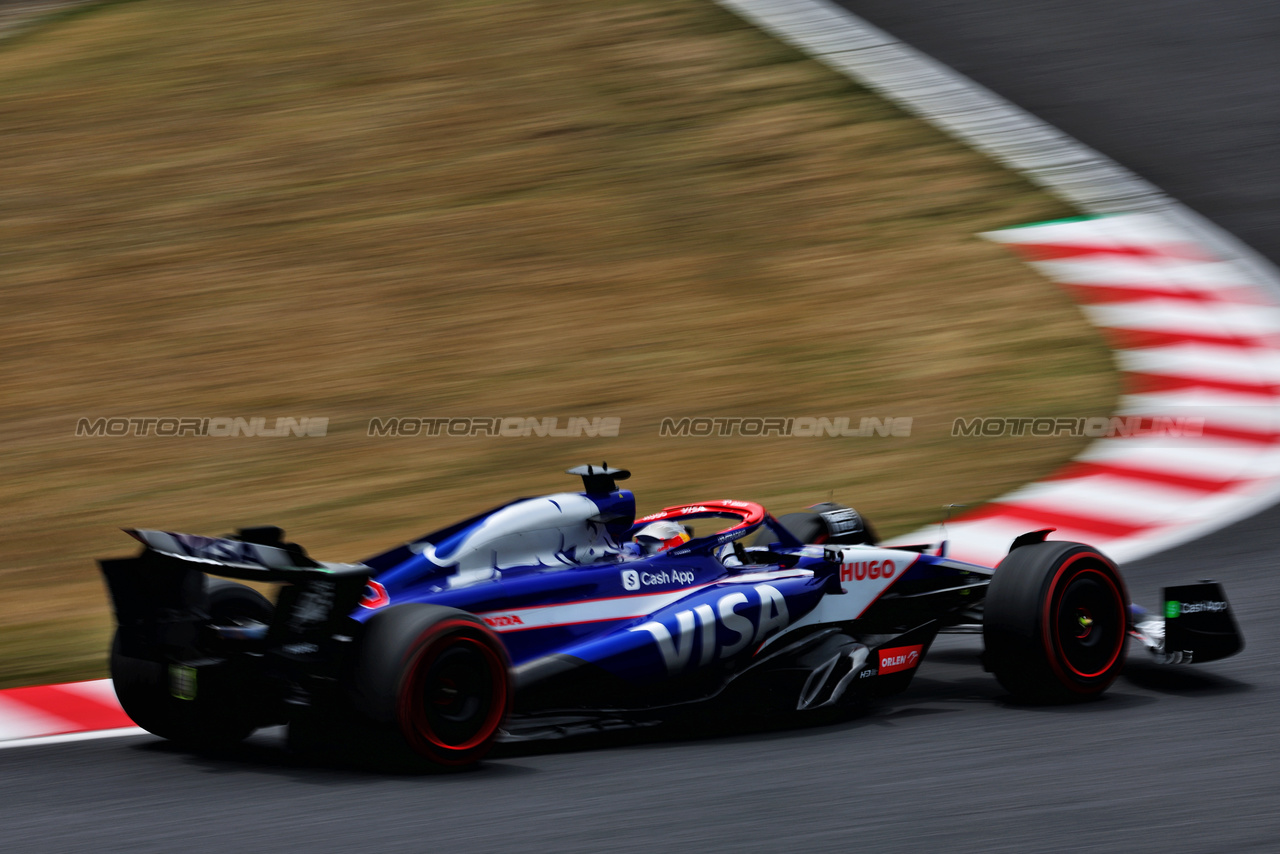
614, 608
859, 594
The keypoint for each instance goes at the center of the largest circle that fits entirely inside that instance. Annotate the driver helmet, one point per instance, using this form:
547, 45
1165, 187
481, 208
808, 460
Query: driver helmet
660, 536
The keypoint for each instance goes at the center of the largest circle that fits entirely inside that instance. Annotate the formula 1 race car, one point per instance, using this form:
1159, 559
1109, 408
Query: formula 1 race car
567, 610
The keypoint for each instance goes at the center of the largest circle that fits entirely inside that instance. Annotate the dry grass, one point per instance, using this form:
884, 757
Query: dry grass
639, 208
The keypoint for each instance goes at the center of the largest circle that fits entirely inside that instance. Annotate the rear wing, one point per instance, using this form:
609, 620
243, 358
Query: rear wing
247, 554
161, 602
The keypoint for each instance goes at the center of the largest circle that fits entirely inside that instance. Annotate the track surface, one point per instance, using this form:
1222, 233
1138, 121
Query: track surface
1184, 93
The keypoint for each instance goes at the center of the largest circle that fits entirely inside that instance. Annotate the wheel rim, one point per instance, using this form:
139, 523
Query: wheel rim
456, 695
1087, 625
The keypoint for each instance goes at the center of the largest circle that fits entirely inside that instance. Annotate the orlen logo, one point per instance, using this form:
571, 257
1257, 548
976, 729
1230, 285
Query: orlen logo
899, 658
504, 620
863, 569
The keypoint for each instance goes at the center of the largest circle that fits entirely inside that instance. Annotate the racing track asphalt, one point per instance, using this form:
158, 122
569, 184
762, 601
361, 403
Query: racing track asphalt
1186, 93
1180, 760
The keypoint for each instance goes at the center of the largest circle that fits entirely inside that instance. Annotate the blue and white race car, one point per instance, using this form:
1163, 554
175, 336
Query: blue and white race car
567, 610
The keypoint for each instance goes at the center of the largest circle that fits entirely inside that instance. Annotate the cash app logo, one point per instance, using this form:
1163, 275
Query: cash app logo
1172, 609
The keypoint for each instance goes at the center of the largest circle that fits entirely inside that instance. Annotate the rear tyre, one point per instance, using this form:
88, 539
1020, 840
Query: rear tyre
231, 602
434, 684
219, 714
1055, 623
806, 527
812, 527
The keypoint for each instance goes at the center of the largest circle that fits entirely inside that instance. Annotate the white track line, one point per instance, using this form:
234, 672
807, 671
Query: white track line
72, 736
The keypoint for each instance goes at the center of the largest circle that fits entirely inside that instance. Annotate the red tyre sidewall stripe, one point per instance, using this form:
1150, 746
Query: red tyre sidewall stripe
1057, 657
428, 648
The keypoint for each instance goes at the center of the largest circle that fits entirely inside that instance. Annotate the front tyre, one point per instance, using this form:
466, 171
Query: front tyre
1055, 623
434, 682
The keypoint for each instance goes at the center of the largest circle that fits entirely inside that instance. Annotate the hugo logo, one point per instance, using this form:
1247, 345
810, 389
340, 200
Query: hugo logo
863, 569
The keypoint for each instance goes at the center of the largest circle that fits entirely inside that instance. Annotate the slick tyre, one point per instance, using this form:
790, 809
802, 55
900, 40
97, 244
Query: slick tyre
806, 527
219, 714
1055, 623
810, 527
433, 684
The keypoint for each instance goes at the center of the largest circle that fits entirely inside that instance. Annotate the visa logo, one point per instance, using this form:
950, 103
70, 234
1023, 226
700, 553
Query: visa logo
701, 623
